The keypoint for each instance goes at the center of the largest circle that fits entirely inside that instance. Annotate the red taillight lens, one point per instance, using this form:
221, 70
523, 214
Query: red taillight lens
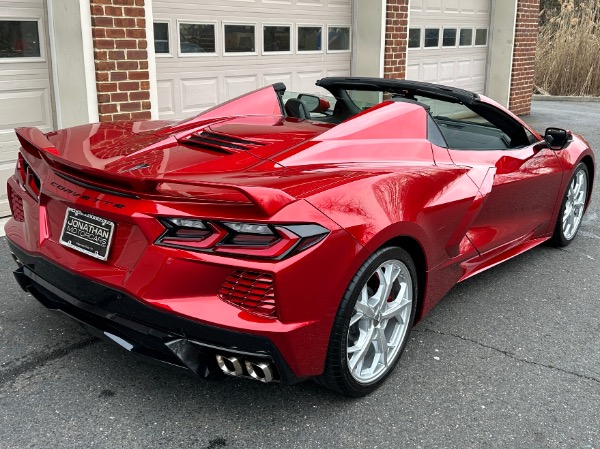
27, 177
21, 170
239, 238
189, 233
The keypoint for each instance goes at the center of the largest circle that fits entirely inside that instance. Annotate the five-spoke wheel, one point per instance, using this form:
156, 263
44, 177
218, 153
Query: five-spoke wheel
572, 207
379, 321
372, 324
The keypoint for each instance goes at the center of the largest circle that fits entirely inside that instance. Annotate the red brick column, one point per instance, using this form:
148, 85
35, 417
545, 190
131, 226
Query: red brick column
396, 39
523, 69
121, 58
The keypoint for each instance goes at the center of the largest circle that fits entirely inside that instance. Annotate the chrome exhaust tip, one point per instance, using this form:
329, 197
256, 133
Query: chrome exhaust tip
261, 371
230, 365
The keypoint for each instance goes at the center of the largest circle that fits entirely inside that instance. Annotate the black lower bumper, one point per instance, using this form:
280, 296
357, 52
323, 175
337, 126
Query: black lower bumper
115, 316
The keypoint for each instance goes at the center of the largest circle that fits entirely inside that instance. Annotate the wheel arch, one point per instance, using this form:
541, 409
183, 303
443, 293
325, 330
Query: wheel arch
589, 163
417, 253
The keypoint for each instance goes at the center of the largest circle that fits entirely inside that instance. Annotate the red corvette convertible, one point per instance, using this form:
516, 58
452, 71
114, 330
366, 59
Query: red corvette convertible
281, 237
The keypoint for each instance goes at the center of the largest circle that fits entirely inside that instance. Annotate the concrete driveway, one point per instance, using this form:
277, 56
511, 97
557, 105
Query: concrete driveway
510, 358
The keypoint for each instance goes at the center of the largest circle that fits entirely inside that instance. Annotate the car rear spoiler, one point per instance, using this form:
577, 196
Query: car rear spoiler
266, 199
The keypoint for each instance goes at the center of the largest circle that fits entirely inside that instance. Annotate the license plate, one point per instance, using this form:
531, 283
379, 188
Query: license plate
87, 233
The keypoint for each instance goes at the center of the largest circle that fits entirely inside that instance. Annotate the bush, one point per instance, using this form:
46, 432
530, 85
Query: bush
568, 50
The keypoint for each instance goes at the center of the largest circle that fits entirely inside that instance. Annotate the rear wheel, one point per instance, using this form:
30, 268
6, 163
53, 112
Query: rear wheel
572, 207
372, 324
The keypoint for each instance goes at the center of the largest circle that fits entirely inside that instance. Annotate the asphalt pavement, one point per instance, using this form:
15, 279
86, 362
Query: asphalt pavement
509, 359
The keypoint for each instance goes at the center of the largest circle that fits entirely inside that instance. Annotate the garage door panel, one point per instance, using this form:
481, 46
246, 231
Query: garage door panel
338, 73
198, 95
272, 78
165, 98
451, 6
239, 74
25, 107
467, 6
459, 66
413, 71
340, 3
238, 85
306, 80
310, 3
479, 68
433, 5
483, 7
416, 5
447, 71
430, 72
464, 70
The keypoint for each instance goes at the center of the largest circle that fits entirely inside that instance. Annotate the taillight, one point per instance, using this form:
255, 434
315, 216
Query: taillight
189, 233
21, 170
27, 177
262, 240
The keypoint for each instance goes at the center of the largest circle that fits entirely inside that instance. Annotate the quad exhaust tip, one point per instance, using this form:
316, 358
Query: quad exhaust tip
233, 366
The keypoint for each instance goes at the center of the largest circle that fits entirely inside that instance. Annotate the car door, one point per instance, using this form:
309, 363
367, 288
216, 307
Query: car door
521, 184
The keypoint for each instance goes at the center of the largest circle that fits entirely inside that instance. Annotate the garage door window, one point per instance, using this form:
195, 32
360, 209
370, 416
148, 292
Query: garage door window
240, 39
414, 38
310, 39
432, 37
161, 38
449, 39
466, 37
277, 39
481, 37
19, 39
338, 39
197, 38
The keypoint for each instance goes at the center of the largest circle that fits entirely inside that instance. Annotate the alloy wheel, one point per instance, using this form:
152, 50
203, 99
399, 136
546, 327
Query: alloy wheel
379, 322
575, 204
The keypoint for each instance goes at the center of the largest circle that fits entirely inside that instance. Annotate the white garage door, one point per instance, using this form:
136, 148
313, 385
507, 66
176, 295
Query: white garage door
25, 96
448, 42
211, 51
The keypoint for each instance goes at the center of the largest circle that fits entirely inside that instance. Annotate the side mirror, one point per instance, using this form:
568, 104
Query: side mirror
314, 103
557, 138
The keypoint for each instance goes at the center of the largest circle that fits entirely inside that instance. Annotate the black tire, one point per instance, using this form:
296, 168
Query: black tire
559, 238
337, 375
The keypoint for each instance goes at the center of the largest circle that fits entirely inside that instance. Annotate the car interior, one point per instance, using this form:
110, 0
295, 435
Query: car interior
453, 124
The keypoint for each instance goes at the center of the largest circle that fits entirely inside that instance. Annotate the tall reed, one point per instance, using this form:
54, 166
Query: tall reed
568, 50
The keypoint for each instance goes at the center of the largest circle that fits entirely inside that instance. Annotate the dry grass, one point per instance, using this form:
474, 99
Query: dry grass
568, 51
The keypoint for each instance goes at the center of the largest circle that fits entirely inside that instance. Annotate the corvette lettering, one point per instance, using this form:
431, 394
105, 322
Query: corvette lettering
86, 197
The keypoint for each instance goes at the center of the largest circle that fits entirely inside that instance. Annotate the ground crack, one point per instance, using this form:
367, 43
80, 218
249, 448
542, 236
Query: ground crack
38, 360
512, 355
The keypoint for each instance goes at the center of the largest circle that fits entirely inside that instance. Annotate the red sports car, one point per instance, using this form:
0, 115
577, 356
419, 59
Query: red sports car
282, 237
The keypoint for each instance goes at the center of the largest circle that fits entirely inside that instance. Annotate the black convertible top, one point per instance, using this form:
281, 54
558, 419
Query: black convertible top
451, 94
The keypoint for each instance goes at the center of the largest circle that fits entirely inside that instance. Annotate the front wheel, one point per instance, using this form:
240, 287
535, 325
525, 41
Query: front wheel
572, 207
373, 323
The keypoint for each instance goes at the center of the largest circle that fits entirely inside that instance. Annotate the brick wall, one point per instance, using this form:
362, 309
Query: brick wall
121, 58
521, 86
396, 38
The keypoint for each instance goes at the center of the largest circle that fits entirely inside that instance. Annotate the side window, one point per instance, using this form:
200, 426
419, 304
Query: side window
480, 128
161, 38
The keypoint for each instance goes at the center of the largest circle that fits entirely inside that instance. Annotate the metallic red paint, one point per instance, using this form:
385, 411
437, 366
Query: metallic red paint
370, 180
